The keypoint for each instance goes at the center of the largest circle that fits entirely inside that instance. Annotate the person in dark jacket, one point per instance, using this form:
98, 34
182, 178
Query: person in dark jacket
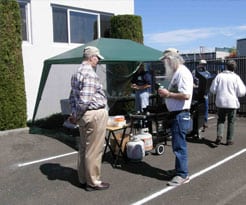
141, 83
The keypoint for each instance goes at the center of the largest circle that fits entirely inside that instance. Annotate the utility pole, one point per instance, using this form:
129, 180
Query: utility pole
202, 48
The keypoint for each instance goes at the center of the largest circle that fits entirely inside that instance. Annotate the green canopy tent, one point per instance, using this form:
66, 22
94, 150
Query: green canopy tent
113, 51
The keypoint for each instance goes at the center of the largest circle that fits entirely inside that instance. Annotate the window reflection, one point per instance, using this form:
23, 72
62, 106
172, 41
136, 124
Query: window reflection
82, 27
60, 26
23, 20
74, 26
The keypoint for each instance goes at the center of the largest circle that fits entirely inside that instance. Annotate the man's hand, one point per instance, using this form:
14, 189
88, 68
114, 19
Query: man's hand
134, 86
163, 92
72, 119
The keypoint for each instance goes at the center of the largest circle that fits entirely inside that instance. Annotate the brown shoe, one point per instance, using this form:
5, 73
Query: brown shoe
229, 142
218, 140
102, 186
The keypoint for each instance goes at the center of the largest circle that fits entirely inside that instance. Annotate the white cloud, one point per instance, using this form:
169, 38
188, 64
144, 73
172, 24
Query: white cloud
242, 28
183, 36
178, 36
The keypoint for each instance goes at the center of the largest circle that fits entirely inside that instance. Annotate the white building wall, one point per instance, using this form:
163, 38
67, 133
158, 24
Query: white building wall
222, 54
41, 45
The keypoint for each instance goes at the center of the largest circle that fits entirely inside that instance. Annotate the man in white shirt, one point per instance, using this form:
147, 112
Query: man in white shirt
178, 98
227, 86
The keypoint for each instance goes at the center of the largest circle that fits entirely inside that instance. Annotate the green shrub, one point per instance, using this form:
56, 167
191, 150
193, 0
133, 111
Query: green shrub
127, 27
12, 88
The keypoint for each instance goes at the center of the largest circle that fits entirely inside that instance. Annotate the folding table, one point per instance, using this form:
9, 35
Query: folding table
111, 133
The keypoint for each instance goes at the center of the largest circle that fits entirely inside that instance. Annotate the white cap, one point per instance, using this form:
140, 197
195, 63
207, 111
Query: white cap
92, 51
202, 62
172, 50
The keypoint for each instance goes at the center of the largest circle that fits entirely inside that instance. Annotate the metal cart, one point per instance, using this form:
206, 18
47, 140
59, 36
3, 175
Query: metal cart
156, 119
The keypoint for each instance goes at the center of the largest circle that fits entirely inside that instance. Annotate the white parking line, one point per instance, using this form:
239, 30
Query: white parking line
193, 176
46, 159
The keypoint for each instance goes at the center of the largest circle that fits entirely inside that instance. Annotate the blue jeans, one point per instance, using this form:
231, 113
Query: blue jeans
179, 128
142, 100
206, 109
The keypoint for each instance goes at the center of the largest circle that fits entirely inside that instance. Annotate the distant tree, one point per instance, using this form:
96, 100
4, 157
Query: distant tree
233, 53
12, 88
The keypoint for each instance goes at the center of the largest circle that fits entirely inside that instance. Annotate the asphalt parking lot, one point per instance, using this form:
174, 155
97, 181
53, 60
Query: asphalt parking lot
41, 169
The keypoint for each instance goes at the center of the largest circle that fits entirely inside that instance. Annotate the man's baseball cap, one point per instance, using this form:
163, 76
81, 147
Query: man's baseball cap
202, 62
92, 51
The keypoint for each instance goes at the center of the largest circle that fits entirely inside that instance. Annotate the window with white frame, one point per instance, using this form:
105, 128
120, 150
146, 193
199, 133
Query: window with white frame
83, 27
105, 25
60, 25
24, 19
77, 26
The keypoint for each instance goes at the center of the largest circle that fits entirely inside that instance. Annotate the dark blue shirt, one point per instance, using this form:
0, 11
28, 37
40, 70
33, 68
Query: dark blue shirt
142, 78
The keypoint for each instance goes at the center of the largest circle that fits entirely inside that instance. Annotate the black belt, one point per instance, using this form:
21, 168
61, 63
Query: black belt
174, 113
98, 108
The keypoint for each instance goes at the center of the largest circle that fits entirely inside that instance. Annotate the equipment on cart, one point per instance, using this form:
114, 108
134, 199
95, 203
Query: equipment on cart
154, 122
135, 149
146, 137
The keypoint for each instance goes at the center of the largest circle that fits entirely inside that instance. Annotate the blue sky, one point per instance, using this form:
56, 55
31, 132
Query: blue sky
189, 25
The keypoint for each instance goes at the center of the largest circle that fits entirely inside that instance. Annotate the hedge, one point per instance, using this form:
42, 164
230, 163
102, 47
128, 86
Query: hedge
12, 87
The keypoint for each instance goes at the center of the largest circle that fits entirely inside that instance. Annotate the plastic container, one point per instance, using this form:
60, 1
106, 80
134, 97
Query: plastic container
146, 137
116, 121
135, 149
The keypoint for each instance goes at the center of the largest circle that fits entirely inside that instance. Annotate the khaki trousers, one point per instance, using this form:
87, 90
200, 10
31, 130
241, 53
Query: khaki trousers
92, 127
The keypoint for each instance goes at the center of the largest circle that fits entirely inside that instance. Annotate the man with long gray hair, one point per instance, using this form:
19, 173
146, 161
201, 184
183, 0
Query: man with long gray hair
178, 98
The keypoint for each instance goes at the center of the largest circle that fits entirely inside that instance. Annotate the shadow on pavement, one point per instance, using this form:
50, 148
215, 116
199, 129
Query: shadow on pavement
65, 136
144, 169
55, 171
205, 141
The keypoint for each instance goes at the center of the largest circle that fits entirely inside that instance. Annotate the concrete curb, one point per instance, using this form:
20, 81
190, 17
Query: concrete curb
21, 130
